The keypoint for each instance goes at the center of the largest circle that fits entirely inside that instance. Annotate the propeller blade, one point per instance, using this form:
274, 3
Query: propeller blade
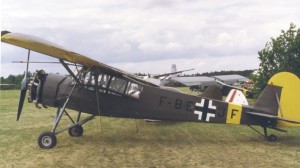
23, 89
22, 95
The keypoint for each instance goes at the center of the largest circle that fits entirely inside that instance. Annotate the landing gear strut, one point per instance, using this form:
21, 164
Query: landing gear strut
270, 138
47, 140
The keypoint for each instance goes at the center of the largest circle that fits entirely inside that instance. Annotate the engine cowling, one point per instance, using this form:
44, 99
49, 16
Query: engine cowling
43, 88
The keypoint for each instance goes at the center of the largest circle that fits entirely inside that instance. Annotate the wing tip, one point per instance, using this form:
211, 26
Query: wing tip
4, 32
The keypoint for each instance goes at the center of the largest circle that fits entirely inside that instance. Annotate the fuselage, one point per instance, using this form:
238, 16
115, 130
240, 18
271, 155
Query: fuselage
116, 100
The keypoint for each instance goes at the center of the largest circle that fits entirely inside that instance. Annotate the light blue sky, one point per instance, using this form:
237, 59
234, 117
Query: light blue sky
148, 36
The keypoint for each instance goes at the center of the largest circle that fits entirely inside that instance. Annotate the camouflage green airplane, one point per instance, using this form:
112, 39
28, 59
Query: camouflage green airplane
101, 90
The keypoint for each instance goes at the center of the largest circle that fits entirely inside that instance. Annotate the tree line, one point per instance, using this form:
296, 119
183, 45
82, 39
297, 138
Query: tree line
245, 73
280, 54
15, 80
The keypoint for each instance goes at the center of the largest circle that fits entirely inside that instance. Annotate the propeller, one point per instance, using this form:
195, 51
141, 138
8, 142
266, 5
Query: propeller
24, 84
22, 95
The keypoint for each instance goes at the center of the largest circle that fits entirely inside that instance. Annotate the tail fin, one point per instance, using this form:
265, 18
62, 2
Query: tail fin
173, 68
212, 92
281, 98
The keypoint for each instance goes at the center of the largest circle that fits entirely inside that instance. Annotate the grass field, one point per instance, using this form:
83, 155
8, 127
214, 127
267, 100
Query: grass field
160, 144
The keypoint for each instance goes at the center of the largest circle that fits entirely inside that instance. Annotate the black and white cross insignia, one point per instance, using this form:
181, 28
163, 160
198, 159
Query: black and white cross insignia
205, 110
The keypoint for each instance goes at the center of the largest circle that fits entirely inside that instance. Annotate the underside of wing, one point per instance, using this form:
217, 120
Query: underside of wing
195, 81
48, 48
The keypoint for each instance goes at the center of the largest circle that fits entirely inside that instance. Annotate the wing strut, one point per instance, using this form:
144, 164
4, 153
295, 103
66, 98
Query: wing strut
69, 70
97, 98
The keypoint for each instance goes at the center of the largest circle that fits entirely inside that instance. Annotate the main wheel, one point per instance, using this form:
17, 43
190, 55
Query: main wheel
47, 140
272, 138
76, 131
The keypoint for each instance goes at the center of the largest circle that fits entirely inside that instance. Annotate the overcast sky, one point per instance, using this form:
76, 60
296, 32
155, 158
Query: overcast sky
148, 36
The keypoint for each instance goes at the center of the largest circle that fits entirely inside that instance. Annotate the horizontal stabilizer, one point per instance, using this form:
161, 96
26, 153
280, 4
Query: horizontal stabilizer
273, 117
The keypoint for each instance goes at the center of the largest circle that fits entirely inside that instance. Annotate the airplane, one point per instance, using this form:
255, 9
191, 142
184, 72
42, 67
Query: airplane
166, 78
101, 90
4, 86
200, 83
227, 88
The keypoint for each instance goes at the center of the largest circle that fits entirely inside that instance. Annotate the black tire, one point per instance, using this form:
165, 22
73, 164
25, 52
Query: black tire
47, 140
76, 131
272, 138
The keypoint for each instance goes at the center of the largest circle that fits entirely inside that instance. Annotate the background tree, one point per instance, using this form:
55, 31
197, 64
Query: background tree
280, 54
13, 79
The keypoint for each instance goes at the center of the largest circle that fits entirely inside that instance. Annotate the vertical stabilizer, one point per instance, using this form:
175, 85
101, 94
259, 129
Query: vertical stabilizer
281, 98
173, 68
289, 106
267, 102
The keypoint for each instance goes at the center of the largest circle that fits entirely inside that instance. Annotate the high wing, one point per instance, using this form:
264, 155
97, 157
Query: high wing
195, 81
56, 51
171, 73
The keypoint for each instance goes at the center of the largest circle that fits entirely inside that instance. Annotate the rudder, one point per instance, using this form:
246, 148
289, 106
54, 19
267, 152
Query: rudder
289, 99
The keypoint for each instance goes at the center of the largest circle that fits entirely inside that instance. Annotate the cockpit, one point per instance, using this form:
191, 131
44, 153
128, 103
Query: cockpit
111, 85
104, 83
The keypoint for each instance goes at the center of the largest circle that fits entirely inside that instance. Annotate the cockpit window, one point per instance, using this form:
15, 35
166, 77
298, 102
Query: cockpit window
133, 90
88, 80
111, 85
118, 85
103, 80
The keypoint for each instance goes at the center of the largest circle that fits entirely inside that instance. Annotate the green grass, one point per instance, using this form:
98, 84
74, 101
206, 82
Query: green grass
160, 144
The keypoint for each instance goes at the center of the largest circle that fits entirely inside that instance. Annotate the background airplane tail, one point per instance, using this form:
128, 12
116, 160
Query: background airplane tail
237, 97
281, 98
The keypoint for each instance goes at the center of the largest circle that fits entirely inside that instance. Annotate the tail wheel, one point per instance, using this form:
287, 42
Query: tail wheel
47, 140
272, 138
76, 131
